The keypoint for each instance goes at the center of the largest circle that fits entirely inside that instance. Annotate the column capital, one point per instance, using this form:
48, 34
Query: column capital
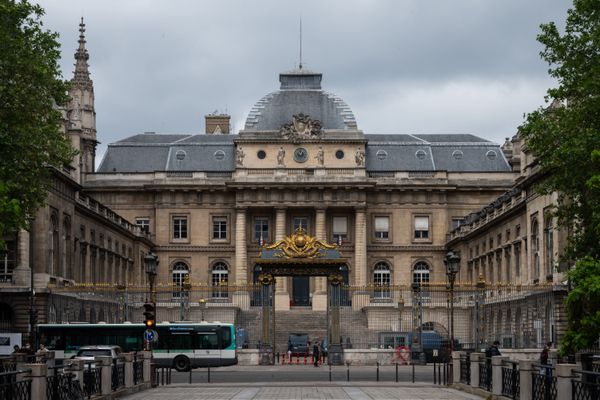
360, 208
241, 208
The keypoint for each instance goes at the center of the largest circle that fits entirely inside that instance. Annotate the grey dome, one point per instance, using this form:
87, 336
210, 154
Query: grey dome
300, 92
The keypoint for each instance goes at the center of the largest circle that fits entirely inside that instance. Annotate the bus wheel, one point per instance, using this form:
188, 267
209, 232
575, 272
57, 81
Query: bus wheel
181, 363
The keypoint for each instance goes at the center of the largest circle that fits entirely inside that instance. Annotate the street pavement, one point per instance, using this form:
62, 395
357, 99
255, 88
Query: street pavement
304, 382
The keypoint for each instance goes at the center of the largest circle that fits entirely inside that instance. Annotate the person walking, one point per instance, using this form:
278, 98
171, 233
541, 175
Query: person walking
316, 353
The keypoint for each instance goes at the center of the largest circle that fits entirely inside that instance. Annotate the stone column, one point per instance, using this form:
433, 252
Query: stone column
319, 299
525, 381
146, 360
475, 357
497, 374
105, 365
38, 380
127, 358
360, 298
282, 296
240, 297
22, 274
456, 355
563, 380
75, 366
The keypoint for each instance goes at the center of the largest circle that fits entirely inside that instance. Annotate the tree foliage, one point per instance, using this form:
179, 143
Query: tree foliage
31, 88
565, 140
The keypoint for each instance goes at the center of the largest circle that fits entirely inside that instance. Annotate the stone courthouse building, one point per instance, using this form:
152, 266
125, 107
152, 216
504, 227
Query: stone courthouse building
207, 203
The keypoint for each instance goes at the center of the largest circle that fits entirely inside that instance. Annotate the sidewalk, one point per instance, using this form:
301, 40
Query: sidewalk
295, 391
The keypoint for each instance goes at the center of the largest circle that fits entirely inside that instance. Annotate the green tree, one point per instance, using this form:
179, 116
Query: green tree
31, 88
565, 139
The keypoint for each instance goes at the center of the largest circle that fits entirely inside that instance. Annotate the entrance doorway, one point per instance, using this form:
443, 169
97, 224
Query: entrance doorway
300, 291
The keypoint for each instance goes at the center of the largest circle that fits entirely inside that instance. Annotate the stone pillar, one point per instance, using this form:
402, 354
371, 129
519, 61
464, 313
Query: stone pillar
282, 297
241, 255
475, 357
525, 380
497, 374
456, 355
563, 380
46, 357
127, 358
360, 299
22, 273
146, 357
319, 299
38, 380
105, 365
20, 360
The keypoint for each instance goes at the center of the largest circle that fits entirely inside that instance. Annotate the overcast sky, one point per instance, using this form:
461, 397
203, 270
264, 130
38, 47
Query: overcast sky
404, 66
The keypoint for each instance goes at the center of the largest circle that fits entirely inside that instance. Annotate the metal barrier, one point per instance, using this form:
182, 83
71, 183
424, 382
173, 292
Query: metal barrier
92, 380
160, 375
511, 380
117, 375
485, 374
585, 385
61, 385
12, 388
543, 382
440, 373
465, 369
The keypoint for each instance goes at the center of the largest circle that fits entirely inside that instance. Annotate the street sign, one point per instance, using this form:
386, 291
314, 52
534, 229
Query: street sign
150, 335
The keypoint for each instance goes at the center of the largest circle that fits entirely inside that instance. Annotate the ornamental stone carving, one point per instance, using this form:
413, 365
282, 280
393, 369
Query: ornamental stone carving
302, 127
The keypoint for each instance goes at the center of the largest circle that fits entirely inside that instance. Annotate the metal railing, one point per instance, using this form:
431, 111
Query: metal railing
511, 380
485, 374
160, 375
543, 382
465, 369
12, 388
117, 375
62, 385
585, 385
92, 380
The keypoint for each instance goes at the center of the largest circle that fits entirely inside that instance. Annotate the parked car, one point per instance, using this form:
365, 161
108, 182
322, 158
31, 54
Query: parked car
89, 353
299, 342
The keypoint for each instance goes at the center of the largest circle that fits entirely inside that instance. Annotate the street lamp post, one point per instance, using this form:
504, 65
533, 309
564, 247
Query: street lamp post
452, 262
151, 261
417, 342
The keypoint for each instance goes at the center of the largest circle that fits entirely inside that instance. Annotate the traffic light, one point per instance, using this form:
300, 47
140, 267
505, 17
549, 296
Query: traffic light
149, 315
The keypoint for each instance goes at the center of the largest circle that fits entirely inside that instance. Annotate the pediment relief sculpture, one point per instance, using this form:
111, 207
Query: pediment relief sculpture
302, 127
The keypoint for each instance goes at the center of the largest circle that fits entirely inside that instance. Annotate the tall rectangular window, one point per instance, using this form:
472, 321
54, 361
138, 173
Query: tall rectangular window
219, 227
382, 227
143, 223
340, 229
456, 222
301, 222
421, 227
180, 227
261, 229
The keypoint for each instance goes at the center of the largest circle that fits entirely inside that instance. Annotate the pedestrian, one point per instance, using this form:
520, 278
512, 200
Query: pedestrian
16, 349
493, 350
316, 353
289, 350
545, 354
43, 349
28, 350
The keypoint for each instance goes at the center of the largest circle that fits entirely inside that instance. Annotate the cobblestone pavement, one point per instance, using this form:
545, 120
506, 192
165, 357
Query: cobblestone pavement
293, 392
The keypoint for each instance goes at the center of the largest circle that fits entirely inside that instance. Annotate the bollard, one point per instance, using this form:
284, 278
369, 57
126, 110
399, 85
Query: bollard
190, 380
377, 371
434, 373
413, 372
208, 376
305, 359
348, 372
329, 372
297, 358
277, 357
396, 372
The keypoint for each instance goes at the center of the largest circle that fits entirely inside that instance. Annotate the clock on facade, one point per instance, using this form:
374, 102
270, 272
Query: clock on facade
300, 155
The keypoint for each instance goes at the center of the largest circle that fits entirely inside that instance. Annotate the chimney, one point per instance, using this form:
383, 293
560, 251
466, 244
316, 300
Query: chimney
217, 124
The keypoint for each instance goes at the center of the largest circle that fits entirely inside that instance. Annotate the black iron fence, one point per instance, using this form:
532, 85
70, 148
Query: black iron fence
138, 371
92, 380
117, 375
585, 385
485, 374
543, 382
465, 369
62, 385
511, 380
12, 388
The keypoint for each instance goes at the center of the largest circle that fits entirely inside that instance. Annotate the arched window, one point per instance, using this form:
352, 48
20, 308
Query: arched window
220, 280
535, 247
52, 314
181, 273
549, 239
381, 280
53, 254
421, 273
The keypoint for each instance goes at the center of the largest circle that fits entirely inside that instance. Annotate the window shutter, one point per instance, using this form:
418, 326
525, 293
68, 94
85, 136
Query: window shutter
421, 223
340, 225
382, 224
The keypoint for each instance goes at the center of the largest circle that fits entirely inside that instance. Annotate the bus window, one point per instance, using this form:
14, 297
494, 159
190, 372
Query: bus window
180, 341
225, 337
208, 341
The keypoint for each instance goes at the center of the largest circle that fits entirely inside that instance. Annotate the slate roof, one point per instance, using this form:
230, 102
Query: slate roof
216, 153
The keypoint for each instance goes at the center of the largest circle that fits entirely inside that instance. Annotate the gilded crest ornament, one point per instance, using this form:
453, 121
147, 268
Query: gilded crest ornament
301, 127
300, 245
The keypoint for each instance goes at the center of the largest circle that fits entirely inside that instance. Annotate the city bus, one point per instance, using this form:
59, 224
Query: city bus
182, 345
